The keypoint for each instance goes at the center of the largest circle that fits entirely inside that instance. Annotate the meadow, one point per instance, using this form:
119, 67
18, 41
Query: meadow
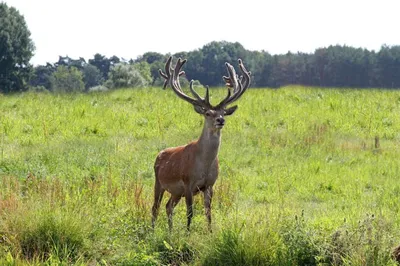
308, 176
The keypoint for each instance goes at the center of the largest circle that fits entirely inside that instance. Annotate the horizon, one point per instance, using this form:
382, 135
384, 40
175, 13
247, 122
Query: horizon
75, 29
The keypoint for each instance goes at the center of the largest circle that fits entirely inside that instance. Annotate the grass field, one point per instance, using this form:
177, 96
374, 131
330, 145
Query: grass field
308, 176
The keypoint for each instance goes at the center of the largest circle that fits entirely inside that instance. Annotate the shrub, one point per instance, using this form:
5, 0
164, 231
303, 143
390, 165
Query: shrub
364, 243
125, 76
301, 247
98, 88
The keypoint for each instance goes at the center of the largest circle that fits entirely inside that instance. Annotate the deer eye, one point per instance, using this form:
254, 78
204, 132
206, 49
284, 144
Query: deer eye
208, 114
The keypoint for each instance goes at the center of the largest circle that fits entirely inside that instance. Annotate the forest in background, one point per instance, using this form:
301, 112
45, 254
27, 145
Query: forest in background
333, 66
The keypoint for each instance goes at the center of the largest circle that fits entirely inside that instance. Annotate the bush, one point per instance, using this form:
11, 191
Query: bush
125, 76
364, 243
300, 241
98, 88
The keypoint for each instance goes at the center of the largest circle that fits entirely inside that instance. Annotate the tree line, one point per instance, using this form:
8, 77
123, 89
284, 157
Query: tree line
333, 66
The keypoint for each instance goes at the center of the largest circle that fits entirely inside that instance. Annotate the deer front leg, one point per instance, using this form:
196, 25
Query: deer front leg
208, 194
189, 206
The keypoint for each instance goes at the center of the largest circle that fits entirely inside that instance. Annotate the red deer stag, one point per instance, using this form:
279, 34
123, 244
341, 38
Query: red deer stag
186, 170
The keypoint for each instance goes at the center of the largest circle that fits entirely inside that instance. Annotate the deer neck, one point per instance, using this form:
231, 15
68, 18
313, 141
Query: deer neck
209, 142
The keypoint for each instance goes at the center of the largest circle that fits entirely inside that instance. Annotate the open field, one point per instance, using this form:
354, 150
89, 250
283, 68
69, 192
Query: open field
308, 176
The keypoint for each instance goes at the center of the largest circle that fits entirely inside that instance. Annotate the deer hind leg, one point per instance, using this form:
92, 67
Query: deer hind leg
208, 194
172, 202
189, 207
158, 195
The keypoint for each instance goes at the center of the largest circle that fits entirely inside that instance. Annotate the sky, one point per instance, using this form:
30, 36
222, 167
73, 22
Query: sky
128, 29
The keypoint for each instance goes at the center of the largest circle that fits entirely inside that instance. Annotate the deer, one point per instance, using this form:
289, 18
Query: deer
185, 171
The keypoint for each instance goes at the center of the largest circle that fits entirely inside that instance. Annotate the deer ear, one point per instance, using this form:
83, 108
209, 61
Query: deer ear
199, 109
230, 110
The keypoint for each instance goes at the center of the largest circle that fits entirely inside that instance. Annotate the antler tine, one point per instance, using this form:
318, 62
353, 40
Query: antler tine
246, 78
176, 73
172, 75
195, 94
207, 97
231, 82
239, 86
175, 85
246, 74
167, 74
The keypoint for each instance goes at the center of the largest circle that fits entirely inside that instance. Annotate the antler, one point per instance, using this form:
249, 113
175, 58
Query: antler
239, 85
172, 75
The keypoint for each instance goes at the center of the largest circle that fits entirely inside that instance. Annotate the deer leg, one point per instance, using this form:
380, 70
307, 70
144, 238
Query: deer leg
189, 207
208, 193
158, 195
172, 202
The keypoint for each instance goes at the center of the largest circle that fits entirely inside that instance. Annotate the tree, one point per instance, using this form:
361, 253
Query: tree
91, 76
43, 76
155, 75
16, 49
215, 54
103, 63
151, 57
260, 64
68, 80
69, 62
389, 66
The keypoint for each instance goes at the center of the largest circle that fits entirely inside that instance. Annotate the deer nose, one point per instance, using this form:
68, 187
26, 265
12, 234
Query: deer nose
220, 120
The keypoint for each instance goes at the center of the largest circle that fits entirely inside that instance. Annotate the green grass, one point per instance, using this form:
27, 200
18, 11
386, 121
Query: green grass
302, 181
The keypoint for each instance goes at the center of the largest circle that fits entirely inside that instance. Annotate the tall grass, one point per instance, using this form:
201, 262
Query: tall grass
308, 177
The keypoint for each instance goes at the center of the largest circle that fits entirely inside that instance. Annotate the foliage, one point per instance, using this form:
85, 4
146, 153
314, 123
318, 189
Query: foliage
157, 80
301, 248
144, 71
16, 49
69, 62
104, 64
68, 80
43, 76
151, 57
91, 76
126, 75
337, 66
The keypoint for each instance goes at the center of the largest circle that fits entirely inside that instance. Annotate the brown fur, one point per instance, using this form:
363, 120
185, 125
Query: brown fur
172, 163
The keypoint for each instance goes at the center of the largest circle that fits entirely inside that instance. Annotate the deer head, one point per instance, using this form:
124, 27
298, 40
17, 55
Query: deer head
214, 115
